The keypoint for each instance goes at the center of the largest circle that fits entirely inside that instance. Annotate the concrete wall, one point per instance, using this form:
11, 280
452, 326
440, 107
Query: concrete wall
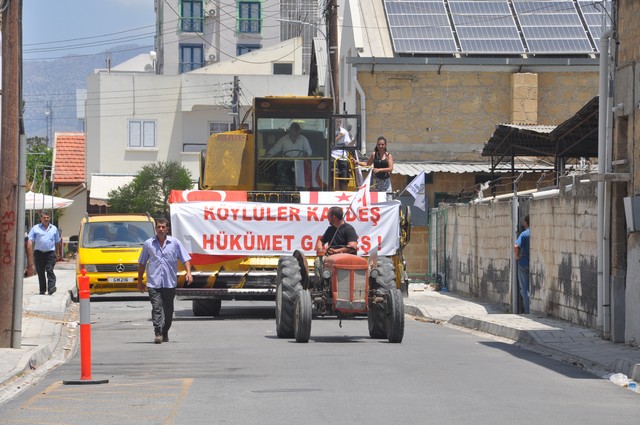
626, 246
479, 246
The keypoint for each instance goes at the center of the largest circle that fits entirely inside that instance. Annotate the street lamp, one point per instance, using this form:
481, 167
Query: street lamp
329, 75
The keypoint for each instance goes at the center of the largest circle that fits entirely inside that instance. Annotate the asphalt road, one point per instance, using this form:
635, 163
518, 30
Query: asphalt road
234, 370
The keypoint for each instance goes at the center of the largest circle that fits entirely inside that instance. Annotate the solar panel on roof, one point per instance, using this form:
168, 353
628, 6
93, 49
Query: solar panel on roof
552, 26
485, 26
493, 26
420, 26
596, 17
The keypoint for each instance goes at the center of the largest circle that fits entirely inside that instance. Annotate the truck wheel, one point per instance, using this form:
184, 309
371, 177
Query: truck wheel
206, 307
395, 316
288, 284
302, 323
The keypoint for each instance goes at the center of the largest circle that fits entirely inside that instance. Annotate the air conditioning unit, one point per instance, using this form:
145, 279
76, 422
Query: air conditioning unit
211, 57
212, 13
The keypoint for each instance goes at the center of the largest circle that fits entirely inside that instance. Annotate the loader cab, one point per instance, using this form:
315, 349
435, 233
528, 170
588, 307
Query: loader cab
296, 144
291, 146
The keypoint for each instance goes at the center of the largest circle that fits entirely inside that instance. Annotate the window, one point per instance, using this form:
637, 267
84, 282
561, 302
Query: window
241, 49
142, 134
282, 69
219, 127
191, 57
192, 16
249, 17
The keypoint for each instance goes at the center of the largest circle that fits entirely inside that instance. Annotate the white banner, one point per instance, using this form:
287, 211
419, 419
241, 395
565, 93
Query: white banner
264, 229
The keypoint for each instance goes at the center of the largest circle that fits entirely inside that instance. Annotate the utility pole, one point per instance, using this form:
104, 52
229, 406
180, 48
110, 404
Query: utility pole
10, 133
234, 103
332, 45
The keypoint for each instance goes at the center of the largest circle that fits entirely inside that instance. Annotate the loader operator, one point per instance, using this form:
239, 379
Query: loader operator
340, 237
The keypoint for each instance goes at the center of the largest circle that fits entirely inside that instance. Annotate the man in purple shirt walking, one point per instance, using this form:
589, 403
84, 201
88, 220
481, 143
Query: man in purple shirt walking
160, 256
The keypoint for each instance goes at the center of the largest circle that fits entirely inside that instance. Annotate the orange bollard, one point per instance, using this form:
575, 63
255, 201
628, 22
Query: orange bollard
85, 333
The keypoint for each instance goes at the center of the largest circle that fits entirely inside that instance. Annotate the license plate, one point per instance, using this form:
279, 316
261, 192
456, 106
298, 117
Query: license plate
120, 280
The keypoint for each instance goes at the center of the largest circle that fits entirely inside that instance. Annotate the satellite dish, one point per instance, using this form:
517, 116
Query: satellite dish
148, 68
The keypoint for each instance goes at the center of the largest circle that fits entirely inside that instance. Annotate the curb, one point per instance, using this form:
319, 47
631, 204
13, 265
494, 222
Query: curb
530, 341
35, 357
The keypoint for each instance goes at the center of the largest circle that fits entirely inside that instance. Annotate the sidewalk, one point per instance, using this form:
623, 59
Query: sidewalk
573, 344
49, 325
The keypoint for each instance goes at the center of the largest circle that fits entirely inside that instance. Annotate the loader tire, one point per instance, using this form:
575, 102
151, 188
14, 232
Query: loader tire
206, 307
288, 283
395, 316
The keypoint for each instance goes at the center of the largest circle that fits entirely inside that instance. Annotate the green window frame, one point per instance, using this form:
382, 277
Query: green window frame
191, 15
249, 17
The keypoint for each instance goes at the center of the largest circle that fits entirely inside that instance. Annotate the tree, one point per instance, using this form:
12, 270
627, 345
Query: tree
150, 189
39, 158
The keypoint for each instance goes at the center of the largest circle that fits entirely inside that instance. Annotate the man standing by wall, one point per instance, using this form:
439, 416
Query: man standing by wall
162, 253
43, 244
521, 250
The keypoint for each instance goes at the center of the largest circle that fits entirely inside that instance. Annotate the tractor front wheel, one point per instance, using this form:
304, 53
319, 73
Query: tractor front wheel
302, 323
289, 283
395, 316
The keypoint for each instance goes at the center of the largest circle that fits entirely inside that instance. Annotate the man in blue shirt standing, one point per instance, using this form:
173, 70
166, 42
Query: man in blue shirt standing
160, 256
521, 250
43, 244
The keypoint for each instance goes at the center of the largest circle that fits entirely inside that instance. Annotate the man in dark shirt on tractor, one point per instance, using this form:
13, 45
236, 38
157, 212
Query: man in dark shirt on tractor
340, 237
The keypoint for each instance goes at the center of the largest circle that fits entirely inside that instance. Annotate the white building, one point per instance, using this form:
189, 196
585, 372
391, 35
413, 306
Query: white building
134, 117
191, 34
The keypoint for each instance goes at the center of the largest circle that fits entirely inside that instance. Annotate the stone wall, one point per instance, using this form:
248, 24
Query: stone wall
416, 254
449, 115
479, 248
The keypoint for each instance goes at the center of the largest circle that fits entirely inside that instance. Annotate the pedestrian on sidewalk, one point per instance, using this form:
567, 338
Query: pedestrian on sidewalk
521, 250
42, 247
160, 256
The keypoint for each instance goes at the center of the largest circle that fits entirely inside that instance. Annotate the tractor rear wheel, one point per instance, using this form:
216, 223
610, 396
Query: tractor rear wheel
302, 323
395, 316
288, 284
206, 307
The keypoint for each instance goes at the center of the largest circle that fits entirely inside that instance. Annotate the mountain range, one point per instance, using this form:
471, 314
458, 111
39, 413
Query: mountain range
49, 88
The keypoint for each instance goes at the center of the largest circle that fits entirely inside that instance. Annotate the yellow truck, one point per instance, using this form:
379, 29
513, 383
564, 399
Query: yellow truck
263, 194
108, 249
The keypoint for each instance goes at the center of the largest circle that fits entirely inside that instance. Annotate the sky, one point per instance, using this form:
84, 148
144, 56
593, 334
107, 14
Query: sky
51, 29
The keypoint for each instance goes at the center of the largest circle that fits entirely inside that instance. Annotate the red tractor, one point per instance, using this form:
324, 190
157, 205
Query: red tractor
343, 285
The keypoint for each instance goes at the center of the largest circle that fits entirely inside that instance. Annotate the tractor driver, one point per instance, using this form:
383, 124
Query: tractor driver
340, 237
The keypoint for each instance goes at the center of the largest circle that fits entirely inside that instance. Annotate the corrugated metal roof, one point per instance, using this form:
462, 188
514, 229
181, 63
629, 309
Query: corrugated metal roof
415, 168
576, 137
531, 127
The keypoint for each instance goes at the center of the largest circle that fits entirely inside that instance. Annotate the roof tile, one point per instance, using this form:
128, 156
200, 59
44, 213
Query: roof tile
69, 158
